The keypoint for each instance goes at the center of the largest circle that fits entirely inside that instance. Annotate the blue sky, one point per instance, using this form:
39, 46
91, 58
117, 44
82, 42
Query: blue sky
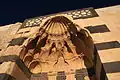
12, 11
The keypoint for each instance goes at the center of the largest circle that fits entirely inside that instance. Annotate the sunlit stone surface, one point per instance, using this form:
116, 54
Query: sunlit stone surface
60, 58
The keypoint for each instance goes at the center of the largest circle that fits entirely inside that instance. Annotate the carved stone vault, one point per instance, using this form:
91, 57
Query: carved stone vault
59, 45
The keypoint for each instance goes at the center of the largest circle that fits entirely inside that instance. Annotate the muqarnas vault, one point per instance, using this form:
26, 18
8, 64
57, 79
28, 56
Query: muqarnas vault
56, 49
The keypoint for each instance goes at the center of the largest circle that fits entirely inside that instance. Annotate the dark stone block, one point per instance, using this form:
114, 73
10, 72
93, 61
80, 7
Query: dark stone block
61, 76
108, 45
17, 41
98, 29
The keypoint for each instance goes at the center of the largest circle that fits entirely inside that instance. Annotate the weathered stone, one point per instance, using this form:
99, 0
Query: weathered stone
108, 53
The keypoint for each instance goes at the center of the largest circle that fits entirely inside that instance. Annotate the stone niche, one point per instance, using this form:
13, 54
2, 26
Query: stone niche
58, 50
